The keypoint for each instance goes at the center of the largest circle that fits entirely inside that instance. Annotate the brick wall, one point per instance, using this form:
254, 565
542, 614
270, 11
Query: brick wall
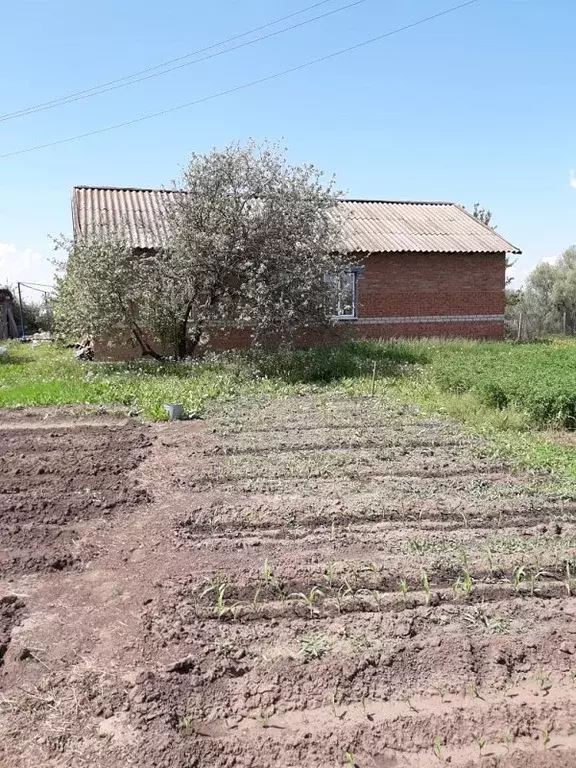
394, 291
432, 284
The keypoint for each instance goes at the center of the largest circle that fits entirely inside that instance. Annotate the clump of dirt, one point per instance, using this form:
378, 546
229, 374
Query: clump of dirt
52, 479
11, 612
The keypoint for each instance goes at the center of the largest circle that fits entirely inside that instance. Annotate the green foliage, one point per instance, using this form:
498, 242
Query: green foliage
313, 646
536, 379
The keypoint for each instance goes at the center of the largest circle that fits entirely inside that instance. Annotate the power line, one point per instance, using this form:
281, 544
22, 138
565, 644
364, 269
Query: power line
150, 72
244, 86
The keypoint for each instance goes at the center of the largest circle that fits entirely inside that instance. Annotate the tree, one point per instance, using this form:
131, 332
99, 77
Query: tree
484, 216
251, 241
37, 314
548, 299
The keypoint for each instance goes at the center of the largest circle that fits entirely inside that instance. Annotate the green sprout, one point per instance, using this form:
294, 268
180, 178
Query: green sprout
425, 586
437, 745
309, 599
481, 743
518, 577
350, 759
403, 585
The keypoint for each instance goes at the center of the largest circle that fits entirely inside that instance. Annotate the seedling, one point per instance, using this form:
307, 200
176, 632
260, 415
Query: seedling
425, 586
481, 743
264, 718
255, 599
403, 585
568, 581
437, 745
367, 714
343, 592
329, 574
546, 737
535, 576
544, 682
350, 759
309, 599
411, 706
467, 583
221, 607
267, 573
490, 560
313, 646
472, 689
518, 577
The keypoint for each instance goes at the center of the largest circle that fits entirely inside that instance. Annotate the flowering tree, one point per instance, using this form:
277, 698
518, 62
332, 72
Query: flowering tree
251, 241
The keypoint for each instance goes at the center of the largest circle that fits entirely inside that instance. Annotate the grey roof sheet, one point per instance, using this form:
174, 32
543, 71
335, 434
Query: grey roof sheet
369, 225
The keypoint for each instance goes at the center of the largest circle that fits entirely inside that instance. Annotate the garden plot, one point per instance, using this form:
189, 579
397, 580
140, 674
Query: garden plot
319, 580
365, 586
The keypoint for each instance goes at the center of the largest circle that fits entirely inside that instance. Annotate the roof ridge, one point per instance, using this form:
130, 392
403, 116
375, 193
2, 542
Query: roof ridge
343, 200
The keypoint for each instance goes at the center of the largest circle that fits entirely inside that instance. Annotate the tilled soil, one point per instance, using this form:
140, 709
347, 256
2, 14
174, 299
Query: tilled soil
319, 581
52, 479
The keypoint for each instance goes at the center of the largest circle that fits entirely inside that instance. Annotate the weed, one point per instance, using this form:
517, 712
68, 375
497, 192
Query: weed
437, 746
187, 723
313, 646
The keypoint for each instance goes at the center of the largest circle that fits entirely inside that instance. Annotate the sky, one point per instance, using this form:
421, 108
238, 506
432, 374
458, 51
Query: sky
474, 106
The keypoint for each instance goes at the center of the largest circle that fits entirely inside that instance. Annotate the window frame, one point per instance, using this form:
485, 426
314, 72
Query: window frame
355, 273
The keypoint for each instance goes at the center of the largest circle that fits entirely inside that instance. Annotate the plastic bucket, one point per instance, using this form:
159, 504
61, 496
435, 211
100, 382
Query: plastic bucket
174, 411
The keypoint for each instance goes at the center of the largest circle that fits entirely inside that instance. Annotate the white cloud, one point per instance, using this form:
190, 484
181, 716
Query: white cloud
573, 179
24, 265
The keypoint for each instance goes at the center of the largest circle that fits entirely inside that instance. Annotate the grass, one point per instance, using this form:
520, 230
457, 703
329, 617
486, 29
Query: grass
518, 396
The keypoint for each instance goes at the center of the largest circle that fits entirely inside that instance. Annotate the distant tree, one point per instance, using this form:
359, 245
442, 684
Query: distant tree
484, 216
251, 241
549, 295
37, 314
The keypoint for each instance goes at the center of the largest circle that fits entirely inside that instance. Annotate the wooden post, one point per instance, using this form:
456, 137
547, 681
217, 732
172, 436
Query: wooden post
22, 329
564, 323
519, 327
374, 378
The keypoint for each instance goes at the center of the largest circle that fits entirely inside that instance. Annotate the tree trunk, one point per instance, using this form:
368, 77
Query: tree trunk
145, 348
195, 340
182, 338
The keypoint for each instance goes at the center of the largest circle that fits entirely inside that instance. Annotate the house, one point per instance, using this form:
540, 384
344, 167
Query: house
428, 268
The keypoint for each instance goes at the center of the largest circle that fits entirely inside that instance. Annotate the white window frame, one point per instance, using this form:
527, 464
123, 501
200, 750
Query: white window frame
353, 272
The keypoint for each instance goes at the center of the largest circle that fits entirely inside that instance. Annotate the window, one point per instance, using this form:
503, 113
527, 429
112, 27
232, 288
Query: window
346, 285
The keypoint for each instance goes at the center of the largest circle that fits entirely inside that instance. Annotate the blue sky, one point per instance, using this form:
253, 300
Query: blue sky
475, 106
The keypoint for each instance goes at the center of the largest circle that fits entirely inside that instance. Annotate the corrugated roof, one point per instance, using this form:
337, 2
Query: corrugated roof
369, 225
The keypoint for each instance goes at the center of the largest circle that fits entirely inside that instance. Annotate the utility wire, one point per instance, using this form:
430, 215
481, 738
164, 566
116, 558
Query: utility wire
150, 72
244, 86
